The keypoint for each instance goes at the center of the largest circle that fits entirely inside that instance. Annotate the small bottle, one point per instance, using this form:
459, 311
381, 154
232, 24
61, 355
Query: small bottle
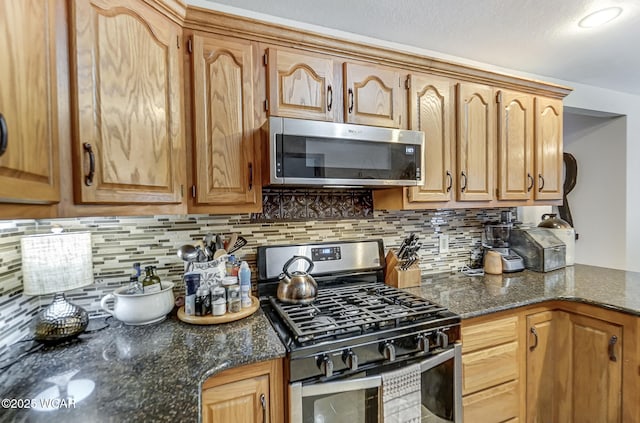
231, 261
234, 303
135, 287
245, 284
218, 301
151, 282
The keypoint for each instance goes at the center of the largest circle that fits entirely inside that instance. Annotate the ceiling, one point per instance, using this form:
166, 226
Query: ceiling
534, 36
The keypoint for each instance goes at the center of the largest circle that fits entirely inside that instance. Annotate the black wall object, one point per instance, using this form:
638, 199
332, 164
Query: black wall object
570, 175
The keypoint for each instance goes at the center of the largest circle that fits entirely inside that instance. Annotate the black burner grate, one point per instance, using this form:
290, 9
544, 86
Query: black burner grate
355, 309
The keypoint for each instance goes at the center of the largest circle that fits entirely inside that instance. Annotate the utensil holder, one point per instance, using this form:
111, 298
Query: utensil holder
398, 278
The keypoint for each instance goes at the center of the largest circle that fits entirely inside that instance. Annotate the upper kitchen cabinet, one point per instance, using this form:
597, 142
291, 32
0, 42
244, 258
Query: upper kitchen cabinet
548, 156
226, 169
515, 145
475, 142
127, 103
431, 110
29, 170
373, 96
300, 85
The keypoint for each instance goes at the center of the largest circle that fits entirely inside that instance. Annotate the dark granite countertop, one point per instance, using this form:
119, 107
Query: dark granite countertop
472, 296
154, 373
136, 373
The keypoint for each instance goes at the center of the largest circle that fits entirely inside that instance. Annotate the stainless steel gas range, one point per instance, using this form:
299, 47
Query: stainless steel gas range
348, 348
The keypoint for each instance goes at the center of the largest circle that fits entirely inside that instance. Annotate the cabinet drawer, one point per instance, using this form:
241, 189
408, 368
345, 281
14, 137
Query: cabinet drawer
489, 334
493, 405
489, 367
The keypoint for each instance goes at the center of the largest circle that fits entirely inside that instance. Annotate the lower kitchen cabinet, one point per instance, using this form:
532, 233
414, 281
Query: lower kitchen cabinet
491, 350
556, 362
498, 404
248, 394
574, 368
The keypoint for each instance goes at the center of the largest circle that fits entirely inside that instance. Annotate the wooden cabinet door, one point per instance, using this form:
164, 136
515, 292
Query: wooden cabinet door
300, 85
515, 145
225, 168
548, 147
475, 142
372, 96
431, 111
244, 401
127, 96
548, 366
596, 370
28, 102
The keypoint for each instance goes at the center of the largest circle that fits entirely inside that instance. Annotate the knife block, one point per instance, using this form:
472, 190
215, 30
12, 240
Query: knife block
398, 278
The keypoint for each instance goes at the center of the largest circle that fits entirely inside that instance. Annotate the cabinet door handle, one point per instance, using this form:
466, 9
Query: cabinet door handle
350, 95
530, 182
263, 401
534, 332
250, 176
612, 343
463, 177
88, 178
541, 181
4, 135
450, 178
330, 95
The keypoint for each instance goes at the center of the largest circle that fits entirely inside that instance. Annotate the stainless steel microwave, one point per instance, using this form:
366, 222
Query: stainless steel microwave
305, 153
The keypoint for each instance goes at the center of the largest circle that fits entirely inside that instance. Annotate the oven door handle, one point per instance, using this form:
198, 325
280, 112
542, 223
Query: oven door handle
437, 359
327, 388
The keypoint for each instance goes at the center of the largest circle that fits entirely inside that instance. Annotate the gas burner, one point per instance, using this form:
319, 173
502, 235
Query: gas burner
348, 310
396, 311
322, 321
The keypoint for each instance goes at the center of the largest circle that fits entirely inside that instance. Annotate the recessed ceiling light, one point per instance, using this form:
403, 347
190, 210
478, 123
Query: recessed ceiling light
600, 17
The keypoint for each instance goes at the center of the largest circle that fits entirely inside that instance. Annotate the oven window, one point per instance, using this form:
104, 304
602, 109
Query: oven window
437, 386
315, 157
359, 406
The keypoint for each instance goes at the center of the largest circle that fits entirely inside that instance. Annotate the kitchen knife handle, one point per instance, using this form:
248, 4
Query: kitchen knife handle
88, 179
4, 135
263, 402
350, 94
534, 332
530, 182
250, 176
464, 184
330, 95
541, 181
612, 343
450, 184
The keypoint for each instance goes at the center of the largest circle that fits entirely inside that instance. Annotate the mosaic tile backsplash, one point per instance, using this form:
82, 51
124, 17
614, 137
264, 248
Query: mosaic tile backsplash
118, 242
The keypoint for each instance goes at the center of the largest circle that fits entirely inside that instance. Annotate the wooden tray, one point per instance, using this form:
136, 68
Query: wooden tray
214, 320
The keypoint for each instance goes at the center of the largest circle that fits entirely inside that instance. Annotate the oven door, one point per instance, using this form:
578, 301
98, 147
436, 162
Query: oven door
358, 398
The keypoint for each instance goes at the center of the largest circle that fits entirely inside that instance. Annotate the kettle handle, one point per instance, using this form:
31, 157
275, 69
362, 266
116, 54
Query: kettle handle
285, 268
549, 215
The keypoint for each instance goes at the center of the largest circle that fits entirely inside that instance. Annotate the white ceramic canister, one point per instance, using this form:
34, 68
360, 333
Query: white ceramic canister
140, 309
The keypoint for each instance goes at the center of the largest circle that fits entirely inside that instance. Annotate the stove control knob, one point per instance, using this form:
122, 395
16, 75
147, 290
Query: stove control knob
350, 359
422, 342
326, 365
442, 339
388, 350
